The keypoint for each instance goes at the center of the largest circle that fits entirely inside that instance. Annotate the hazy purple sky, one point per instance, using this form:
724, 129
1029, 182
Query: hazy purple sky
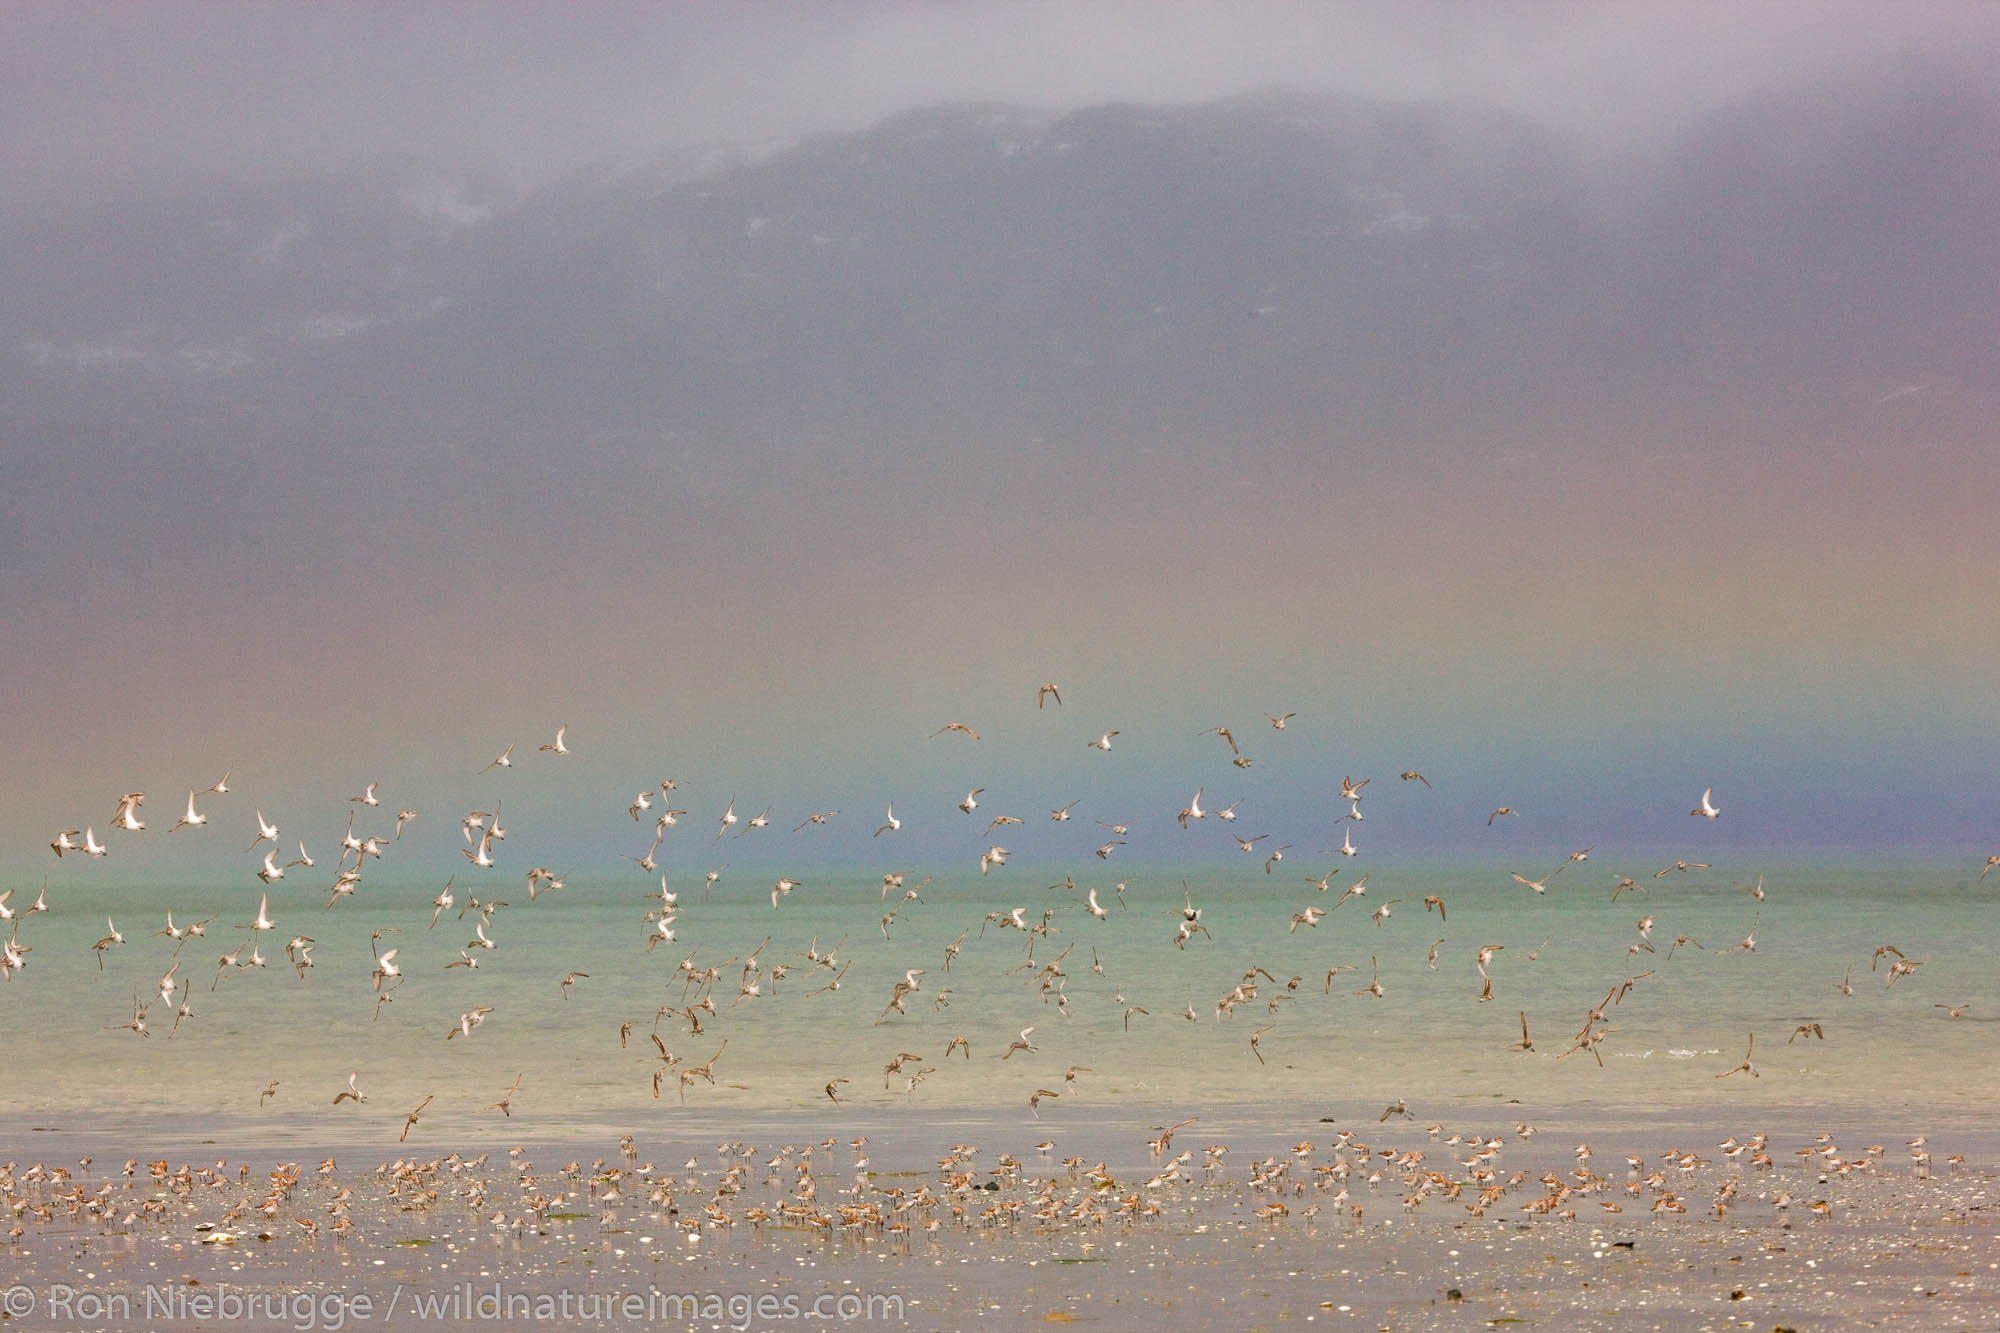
97, 91
1604, 615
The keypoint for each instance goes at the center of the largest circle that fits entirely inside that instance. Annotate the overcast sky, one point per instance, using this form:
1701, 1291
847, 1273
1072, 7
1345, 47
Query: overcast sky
292, 496
92, 93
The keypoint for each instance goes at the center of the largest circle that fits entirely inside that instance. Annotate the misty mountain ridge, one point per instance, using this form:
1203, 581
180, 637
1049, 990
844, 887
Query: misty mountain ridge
1267, 262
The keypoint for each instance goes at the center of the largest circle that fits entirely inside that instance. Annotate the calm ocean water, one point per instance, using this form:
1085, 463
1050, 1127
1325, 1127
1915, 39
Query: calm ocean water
1427, 1038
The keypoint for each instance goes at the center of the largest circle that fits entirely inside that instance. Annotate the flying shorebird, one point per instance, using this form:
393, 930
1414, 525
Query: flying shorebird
971, 801
560, 745
192, 819
1021, 1043
954, 726
353, 1092
1707, 808
1746, 1067
1194, 810
1104, 743
1411, 775
1225, 734
893, 824
505, 759
1538, 885
1503, 810
483, 856
1046, 692
728, 818
272, 870
467, 1021
266, 832
1278, 721
367, 796
127, 817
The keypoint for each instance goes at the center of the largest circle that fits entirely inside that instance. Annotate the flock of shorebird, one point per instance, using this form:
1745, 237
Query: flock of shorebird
756, 977
806, 1188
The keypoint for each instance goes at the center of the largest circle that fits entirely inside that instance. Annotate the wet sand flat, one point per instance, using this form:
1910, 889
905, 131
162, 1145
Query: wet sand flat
1348, 1220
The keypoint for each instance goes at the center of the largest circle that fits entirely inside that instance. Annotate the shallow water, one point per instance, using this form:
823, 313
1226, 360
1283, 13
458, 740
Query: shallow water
1427, 1039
